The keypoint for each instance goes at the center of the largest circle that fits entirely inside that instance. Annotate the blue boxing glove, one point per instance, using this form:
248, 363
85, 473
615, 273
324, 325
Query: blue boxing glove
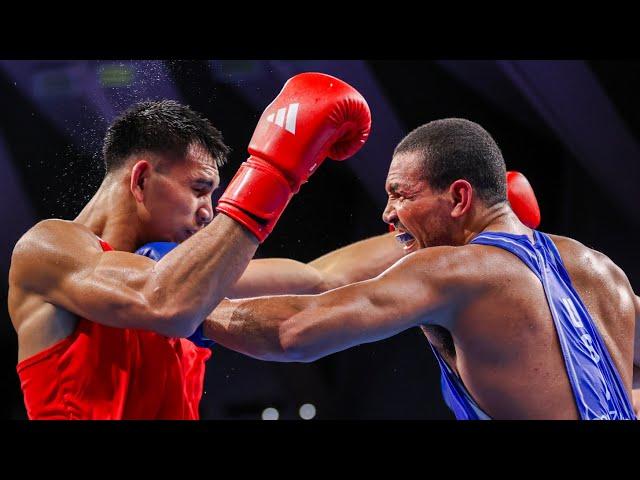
157, 250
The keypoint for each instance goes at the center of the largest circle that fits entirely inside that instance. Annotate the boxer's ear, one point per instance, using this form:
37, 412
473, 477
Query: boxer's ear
139, 176
461, 193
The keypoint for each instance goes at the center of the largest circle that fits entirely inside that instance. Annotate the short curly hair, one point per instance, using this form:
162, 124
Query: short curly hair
455, 148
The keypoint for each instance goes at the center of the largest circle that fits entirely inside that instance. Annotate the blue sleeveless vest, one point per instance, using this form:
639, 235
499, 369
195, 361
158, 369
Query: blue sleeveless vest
597, 388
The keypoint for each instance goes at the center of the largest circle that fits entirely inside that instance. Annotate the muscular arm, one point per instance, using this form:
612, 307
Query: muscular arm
64, 264
358, 261
416, 290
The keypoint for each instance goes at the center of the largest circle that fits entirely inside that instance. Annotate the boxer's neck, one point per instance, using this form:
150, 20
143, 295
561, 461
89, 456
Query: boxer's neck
111, 213
498, 218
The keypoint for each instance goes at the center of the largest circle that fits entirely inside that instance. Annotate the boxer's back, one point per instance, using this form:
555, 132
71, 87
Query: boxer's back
608, 296
507, 349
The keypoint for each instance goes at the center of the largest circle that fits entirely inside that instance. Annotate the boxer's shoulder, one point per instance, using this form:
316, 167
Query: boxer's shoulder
49, 246
39, 251
580, 259
488, 270
597, 278
55, 234
57, 226
455, 266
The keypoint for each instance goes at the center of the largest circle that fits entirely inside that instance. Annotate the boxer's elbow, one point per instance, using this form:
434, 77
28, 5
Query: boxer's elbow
171, 323
169, 318
181, 328
294, 350
179, 322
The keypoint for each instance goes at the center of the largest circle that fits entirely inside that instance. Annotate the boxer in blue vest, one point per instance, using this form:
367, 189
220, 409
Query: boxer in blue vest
524, 324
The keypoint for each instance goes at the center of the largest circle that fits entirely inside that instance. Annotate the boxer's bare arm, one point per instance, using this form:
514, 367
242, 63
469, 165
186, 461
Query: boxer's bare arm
355, 262
63, 263
359, 261
304, 328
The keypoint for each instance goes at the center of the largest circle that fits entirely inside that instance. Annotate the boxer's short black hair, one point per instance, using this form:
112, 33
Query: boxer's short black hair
455, 148
162, 126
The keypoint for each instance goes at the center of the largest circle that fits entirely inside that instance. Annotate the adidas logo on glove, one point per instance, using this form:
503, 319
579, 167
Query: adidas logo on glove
291, 112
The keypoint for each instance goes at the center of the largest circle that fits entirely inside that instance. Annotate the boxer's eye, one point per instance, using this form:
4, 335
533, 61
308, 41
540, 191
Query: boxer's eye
203, 187
201, 191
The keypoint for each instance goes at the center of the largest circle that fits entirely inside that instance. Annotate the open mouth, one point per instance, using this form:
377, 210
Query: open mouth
406, 240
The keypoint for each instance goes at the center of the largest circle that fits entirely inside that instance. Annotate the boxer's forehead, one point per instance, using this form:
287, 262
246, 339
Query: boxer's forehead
198, 165
198, 155
202, 169
205, 175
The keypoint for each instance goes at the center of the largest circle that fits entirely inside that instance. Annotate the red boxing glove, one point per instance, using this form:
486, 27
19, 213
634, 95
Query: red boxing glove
522, 199
315, 116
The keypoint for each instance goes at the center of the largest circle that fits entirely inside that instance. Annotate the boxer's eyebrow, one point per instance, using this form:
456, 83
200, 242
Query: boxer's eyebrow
207, 176
204, 182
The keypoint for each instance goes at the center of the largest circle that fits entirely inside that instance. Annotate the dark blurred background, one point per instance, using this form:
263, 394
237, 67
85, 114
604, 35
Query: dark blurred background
572, 127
